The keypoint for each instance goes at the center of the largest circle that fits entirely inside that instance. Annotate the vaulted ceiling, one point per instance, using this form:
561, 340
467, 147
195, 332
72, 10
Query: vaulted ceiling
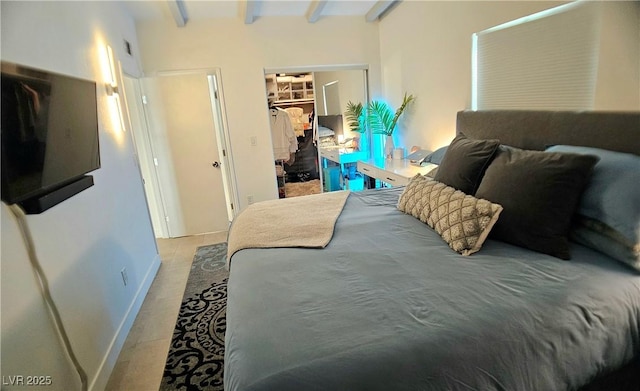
181, 11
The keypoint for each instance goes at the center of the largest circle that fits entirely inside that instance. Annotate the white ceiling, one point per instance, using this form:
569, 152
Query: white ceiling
253, 10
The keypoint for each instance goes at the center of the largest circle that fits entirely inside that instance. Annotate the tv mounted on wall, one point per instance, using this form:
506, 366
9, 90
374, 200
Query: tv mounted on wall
49, 136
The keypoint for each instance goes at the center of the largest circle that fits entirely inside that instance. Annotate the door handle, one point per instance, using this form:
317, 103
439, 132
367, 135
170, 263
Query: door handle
216, 164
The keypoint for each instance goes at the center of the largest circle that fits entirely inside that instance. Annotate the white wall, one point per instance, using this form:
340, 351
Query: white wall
84, 242
242, 52
425, 50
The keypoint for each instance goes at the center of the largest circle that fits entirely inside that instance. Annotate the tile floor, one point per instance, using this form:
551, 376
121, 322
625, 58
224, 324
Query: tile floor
141, 361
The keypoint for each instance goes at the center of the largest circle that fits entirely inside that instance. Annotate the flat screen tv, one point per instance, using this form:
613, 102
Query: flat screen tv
49, 136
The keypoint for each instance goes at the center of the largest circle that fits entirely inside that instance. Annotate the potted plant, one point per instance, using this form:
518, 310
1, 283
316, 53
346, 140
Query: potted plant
355, 117
382, 120
357, 123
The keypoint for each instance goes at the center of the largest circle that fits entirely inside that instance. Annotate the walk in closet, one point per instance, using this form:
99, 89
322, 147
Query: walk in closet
324, 149
293, 94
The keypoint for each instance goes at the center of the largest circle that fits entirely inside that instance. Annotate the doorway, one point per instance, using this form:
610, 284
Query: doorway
343, 84
145, 154
183, 143
290, 97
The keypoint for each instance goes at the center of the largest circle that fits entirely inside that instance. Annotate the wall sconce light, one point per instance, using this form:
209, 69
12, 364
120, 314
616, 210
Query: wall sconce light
113, 91
111, 85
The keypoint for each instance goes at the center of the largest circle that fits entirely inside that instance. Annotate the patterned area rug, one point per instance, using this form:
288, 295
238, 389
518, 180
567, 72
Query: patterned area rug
196, 354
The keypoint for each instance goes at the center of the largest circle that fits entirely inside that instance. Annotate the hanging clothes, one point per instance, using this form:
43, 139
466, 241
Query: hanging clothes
283, 137
295, 115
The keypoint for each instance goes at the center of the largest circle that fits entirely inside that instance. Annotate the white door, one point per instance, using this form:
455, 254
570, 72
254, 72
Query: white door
183, 136
145, 155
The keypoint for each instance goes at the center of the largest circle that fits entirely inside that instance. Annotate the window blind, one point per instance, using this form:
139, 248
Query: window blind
545, 61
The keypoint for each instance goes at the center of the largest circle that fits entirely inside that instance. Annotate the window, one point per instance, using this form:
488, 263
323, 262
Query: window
548, 60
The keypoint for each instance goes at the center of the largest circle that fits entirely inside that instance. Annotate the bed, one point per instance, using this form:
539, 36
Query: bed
388, 305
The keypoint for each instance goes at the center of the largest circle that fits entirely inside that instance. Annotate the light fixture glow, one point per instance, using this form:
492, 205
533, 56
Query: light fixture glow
111, 85
474, 72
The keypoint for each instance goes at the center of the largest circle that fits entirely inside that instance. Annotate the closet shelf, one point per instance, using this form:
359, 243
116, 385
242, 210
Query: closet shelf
285, 102
292, 88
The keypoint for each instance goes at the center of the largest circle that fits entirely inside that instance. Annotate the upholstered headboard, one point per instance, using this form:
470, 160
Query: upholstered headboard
616, 131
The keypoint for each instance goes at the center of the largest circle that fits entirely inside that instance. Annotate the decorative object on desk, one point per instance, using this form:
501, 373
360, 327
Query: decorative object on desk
389, 146
418, 155
398, 153
381, 120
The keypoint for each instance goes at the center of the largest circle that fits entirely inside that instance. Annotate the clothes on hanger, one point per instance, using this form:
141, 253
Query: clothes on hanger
283, 137
296, 116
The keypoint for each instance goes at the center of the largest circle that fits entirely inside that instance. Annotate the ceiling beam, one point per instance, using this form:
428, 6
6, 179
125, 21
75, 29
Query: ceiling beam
178, 11
315, 10
249, 10
379, 9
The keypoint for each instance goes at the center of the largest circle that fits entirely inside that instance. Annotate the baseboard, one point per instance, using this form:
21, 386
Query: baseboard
99, 382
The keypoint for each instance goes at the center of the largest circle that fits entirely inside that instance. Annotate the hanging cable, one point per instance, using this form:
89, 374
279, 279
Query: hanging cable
46, 294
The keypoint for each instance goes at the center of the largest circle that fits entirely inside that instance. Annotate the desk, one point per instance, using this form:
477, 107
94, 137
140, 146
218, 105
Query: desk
395, 172
331, 178
342, 155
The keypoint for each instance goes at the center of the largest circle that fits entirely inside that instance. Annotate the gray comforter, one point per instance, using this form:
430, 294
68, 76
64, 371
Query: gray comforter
388, 306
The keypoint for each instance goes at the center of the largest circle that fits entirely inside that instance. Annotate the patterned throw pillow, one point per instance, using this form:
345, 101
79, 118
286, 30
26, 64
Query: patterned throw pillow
413, 199
463, 221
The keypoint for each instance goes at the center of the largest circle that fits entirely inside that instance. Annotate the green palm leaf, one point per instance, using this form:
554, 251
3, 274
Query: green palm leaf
405, 101
380, 118
377, 115
355, 117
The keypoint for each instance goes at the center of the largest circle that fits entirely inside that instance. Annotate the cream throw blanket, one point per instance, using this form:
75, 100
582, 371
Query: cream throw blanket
306, 221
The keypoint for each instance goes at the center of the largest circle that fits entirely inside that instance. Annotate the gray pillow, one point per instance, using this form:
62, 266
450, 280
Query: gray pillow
464, 163
436, 156
609, 209
539, 192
